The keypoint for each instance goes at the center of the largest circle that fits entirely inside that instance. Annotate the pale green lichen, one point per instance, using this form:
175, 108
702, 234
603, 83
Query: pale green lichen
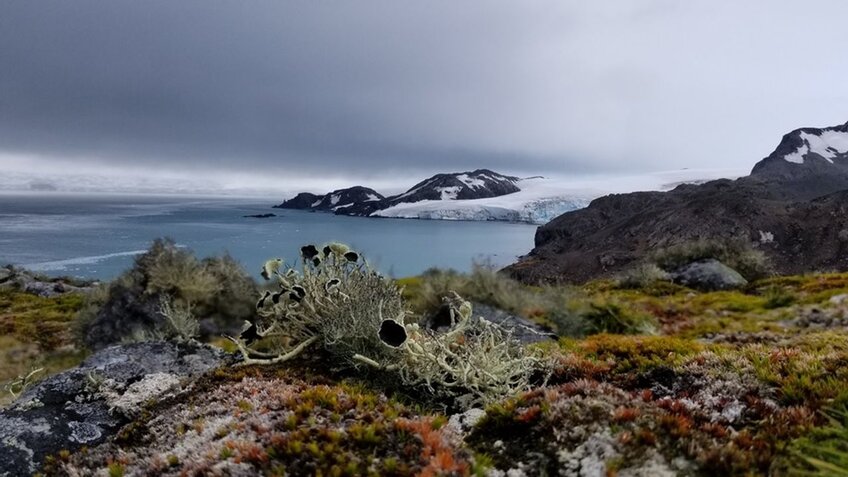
331, 301
337, 304
476, 361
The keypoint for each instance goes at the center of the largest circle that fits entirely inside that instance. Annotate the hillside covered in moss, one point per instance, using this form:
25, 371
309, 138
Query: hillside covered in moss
628, 377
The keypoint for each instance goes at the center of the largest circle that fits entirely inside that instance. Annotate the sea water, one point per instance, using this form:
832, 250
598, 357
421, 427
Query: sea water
97, 236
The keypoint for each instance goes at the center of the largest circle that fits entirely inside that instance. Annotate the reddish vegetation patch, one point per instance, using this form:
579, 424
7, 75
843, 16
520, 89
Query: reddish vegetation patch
585, 424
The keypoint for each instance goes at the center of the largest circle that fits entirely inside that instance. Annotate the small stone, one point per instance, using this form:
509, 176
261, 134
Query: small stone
84, 432
460, 425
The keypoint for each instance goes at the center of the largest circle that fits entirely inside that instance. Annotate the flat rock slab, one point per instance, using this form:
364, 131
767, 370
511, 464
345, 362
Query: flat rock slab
88, 404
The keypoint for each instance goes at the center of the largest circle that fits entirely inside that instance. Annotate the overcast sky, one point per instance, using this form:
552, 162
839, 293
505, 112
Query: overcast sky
369, 91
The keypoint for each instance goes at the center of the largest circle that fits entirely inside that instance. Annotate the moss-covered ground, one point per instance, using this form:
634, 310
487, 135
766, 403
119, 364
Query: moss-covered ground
654, 380
741, 382
36, 333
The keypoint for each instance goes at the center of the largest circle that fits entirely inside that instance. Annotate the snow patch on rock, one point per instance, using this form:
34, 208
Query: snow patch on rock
473, 182
828, 145
449, 193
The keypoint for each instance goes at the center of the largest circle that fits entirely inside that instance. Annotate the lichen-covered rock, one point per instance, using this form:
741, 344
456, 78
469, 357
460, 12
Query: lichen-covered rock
709, 275
19, 279
87, 404
277, 424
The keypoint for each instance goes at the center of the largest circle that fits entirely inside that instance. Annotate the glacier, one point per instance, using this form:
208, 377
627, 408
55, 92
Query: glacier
541, 199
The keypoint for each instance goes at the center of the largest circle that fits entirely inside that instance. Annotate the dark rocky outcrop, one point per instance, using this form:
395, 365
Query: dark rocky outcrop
24, 280
304, 200
795, 212
88, 404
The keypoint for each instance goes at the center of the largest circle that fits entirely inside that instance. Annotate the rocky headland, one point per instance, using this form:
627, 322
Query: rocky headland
791, 207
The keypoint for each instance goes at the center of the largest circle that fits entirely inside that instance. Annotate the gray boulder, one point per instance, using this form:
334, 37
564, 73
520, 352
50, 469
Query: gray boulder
523, 330
708, 275
88, 404
5, 274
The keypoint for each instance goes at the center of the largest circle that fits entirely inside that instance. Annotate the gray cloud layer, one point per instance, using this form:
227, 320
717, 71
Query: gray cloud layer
378, 88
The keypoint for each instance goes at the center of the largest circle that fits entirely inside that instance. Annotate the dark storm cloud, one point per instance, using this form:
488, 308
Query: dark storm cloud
381, 87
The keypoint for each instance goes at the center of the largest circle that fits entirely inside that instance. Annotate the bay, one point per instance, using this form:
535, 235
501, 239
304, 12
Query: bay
97, 236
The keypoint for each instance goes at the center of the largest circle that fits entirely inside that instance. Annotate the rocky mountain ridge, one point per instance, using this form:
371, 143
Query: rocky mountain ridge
792, 207
335, 201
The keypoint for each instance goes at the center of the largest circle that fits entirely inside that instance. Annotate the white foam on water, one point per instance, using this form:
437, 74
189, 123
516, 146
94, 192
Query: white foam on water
90, 260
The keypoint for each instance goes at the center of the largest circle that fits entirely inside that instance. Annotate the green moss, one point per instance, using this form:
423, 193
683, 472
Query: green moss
777, 297
37, 332
824, 451
633, 353
116, 470
610, 316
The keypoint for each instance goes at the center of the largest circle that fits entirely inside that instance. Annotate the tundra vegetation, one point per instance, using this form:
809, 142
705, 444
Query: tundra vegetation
339, 378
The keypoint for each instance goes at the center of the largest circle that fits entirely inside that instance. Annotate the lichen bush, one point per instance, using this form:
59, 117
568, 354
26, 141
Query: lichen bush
738, 254
333, 300
474, 363
217, 289
184, 325
335, 306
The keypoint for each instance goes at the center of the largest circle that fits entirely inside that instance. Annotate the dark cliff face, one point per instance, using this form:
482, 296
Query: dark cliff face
793, 211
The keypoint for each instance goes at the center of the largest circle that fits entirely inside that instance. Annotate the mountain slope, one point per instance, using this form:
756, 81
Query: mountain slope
334, 201
792, 210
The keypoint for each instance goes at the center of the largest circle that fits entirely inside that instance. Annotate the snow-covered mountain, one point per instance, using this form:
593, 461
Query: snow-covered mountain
808, 162
335, 201
457, 186
814, 144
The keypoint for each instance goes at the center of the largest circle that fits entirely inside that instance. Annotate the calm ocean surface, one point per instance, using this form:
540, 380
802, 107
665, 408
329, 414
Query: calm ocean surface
98, 235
